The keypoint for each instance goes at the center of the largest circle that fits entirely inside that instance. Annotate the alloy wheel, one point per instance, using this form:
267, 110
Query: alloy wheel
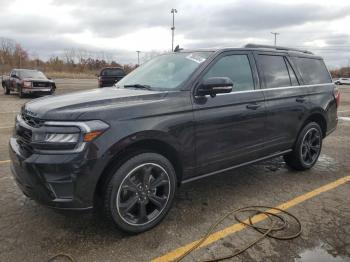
143, 194
311, 146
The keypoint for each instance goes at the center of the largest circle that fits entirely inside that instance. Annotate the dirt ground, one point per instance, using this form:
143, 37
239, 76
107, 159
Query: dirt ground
30, 232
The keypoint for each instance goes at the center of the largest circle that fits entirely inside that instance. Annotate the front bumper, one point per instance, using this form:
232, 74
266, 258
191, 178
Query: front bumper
64, 181
37, 90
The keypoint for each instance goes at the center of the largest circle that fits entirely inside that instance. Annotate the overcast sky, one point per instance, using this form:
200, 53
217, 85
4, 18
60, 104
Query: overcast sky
120, 27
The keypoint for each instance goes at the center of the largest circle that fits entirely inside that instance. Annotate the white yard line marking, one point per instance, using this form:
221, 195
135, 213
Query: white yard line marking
5, 127
344, 118
343, 111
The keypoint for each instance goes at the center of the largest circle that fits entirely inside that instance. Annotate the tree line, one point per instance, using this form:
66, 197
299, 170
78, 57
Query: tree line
13, 55
341, 72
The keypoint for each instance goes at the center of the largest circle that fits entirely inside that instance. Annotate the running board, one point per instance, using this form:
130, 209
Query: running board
236, 166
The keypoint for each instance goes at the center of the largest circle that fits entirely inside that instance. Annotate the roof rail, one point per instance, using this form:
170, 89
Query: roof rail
278, 48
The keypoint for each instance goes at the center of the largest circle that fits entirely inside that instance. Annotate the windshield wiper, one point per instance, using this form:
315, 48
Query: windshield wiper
138, 86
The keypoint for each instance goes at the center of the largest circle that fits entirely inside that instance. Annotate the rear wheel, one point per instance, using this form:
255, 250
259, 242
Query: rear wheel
140, 193
307, 148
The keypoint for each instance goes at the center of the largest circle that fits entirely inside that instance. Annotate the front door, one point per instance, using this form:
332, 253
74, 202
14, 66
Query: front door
229, 128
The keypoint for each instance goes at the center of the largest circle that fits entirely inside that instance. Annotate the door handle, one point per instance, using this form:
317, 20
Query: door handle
300, 99
253, 106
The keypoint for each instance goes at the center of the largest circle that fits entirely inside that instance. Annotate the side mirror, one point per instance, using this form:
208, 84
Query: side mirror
215, 85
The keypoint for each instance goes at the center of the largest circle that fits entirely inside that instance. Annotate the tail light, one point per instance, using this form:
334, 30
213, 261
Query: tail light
337, 96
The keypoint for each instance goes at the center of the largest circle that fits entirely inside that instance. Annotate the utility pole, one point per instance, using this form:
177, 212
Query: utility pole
138, 57
275, 34
173, 11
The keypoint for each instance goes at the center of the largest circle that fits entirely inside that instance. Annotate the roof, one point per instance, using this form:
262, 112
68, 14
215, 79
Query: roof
255, 47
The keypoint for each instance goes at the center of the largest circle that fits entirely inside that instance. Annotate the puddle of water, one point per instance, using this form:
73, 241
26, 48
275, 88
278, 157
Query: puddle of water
319, 255
327, 162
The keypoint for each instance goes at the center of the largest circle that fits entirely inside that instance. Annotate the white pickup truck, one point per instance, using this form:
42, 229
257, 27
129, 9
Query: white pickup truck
342, 81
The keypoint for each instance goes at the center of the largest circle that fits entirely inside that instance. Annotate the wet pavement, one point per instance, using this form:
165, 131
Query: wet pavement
30, 232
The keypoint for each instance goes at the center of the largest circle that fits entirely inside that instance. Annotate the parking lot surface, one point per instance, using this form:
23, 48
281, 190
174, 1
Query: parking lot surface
30, 232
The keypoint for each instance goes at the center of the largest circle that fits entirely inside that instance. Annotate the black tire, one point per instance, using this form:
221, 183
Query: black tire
20, 93
134, 189
307, 148
6, 90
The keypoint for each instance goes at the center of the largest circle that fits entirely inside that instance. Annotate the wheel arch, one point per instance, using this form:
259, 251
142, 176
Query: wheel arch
154, 144
319, 118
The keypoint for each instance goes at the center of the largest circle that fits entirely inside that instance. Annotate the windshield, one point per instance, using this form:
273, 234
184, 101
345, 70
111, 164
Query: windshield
32, 74
164, 72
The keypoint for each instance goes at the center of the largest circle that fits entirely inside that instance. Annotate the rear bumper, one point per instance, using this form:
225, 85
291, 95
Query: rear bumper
106, 82
58, 181
332, 129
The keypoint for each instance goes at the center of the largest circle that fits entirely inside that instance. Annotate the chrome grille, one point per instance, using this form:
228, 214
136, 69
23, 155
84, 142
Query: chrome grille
41, 84
32, 121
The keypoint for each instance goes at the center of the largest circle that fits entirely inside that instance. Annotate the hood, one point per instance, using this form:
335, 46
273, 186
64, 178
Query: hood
88, 103
37, 80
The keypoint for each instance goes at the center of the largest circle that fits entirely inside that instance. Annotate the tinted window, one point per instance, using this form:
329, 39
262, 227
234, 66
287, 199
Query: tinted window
313, 71
274, 71
112, 72
237, 68
293, 78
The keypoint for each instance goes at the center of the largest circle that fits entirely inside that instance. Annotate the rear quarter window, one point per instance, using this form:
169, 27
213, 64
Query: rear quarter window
313, 71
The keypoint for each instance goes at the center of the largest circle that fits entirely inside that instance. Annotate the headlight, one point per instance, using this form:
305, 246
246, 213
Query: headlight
61, 138
27, 84
56, 135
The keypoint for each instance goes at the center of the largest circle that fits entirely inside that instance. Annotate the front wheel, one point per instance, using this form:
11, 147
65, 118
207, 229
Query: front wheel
140, 193
20, 93
6, 90
307, 148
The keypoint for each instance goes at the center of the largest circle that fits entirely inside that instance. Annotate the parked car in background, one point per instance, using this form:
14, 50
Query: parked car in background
109, 76
27, 81
342, 81
179, 117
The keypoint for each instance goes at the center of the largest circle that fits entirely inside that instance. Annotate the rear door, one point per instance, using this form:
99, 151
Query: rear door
286, 100
230, 127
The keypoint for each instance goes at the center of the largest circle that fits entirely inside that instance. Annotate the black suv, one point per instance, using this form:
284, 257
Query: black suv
179, 117
109, 76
